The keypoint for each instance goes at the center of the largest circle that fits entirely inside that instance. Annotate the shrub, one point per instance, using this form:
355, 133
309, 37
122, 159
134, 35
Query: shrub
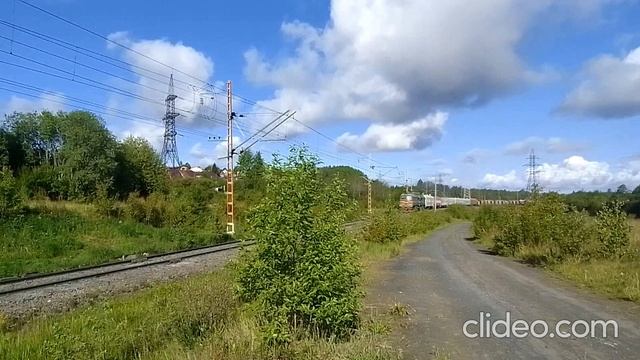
613, 229
384, 227
303, 272
10, 201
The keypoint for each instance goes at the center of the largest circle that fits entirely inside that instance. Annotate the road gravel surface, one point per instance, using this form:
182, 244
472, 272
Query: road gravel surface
446, 280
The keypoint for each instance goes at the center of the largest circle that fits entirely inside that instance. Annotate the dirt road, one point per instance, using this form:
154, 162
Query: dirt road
447, 280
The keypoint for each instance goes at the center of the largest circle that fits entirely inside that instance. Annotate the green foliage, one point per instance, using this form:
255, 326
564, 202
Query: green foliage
128, 327
302, 272
613, 229
10, 201
250, 170
384, 227
139, 168
4, 149
53, 238
547, 231
87, 154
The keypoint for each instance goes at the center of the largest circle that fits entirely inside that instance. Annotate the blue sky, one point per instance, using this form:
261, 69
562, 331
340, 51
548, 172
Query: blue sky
464, 89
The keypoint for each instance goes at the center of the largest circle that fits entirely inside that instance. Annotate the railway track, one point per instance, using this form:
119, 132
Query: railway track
36, 281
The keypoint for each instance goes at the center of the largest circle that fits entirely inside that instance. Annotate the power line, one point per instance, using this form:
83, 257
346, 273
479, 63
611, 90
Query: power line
243, 99
108, 39
95, 55
103, 110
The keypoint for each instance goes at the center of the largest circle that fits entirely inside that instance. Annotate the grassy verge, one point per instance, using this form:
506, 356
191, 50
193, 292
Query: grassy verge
616, 278
570, 245
54, 236
197, 318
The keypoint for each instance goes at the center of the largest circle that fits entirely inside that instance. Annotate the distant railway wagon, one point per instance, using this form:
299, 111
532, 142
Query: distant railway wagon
502, 202
411, 202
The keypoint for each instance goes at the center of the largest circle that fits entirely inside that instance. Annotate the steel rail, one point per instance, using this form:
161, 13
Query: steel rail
133, 264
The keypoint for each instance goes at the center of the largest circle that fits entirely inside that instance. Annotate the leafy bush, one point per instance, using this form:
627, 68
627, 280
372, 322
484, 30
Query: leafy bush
10, 201
547, 231
384, 227
303, 271
613, 229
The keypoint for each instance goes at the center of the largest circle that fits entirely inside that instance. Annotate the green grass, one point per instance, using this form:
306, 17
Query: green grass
197, 318
54, 236
615, 278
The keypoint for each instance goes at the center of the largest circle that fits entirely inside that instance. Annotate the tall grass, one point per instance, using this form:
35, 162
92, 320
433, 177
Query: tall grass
57, 236
197, 318
601, 253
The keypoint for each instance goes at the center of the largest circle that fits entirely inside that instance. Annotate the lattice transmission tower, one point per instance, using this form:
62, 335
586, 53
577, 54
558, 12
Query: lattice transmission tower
169, 148
533, 187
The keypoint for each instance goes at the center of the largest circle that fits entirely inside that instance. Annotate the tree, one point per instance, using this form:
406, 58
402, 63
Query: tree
139, 168
4, 149
622, 189
303, 270
10, 201
87, 155
213, 168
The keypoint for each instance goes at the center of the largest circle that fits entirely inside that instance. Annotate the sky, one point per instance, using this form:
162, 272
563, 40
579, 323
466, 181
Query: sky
402, 90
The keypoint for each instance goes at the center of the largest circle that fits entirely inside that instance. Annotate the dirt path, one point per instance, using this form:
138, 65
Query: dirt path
446, 280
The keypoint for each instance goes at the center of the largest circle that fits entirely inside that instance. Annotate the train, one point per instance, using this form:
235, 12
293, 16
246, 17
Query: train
411, 201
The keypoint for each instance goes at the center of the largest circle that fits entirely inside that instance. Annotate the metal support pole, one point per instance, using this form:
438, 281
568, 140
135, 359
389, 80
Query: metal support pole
230, 209
369, 196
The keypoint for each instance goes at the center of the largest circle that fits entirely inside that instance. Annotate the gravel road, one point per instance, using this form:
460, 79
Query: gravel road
447, 280
64, 296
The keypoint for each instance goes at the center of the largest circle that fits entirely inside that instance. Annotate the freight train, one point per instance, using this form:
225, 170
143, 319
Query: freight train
410, 202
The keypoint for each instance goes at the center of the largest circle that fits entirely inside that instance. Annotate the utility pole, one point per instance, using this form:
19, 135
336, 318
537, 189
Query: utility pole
230, 209
369, 210
169, 153
435, 194
532, 169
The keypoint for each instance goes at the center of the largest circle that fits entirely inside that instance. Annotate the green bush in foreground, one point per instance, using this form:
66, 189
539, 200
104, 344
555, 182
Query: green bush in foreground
303, 272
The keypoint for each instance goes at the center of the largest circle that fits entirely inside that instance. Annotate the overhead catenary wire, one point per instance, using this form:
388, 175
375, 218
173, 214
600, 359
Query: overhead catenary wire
204, 82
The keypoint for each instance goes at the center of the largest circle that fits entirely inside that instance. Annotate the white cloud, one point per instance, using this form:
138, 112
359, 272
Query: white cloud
398, 61
418, 134
573, 173
609, 88
47, 101
152, 80
154, 134
552, 145
509, 180
206, 156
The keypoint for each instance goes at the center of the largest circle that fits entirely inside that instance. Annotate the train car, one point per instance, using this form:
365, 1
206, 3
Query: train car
411, 202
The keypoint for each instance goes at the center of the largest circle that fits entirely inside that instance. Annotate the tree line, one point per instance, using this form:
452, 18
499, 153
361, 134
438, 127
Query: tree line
73, 156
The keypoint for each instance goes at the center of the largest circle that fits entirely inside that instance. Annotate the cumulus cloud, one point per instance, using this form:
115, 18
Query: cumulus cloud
417, 134
398, 61
47, 101
194, 101
510, 180
609, 88
154, 134
552, 145
573, 173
